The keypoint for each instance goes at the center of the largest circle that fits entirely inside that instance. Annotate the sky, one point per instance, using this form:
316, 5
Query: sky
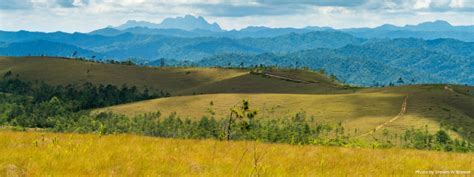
88, 15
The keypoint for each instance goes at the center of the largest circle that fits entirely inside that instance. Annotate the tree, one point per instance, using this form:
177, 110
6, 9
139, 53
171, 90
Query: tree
400, 81
7, 74
244, 114
74, 53
322, 71
333, 77
162, 62
442, 137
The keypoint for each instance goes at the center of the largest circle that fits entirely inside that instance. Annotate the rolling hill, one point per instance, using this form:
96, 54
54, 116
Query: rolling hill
363, 110
275, 93
177, 81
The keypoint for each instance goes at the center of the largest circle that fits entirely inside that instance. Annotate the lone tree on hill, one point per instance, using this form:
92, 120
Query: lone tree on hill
244, 114
74, 54
162, 62
400, 81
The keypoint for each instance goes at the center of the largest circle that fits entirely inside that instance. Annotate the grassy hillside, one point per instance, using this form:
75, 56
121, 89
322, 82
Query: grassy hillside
64, 71
49, 154
427, 107
177, 81
274, 93
436, 105
360, 110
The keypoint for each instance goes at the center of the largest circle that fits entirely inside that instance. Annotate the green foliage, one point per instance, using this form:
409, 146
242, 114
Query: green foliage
79, 97
441, 141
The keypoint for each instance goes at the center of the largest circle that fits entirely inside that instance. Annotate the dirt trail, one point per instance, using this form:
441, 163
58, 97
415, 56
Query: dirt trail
451, 89
287, 78
448, 88
403, 110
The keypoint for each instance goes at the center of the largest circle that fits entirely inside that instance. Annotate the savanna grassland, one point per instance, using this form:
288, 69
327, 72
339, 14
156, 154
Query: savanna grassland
94, 119
175, 80
430, 106
197, 92
60, 154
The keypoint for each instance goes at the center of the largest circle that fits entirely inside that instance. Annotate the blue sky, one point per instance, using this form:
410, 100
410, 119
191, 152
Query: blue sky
87, 15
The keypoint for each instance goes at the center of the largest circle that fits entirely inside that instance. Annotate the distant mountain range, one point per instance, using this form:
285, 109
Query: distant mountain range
153, 47
190, 26
426, 30
187, 22
431, 52
374, 62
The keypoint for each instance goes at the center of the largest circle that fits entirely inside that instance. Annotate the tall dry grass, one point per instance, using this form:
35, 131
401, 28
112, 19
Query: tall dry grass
53, 154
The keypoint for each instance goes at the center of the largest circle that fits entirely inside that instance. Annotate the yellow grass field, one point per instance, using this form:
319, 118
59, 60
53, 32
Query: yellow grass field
51, 154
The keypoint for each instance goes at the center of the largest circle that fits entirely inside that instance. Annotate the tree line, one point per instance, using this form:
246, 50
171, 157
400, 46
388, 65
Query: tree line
82, 96
65, 109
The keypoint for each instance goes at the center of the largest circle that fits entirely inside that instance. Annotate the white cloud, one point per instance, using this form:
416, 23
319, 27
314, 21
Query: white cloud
422, 4
86, 15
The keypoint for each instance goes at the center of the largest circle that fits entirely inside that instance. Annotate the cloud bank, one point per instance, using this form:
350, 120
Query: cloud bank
86, 15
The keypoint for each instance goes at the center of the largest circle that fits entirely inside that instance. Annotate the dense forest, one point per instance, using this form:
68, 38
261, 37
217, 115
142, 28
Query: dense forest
374, 63
355, 60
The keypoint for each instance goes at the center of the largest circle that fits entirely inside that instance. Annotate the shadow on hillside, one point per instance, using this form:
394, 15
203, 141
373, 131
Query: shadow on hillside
453, 110
250, 83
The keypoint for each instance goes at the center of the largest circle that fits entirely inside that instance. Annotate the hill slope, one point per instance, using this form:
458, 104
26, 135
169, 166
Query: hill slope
177, 81
430, 106
275, 93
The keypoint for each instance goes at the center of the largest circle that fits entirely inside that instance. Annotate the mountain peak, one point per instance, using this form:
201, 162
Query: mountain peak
437, 23
387, 27
188, 23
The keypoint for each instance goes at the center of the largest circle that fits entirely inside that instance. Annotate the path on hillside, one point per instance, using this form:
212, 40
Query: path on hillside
402, 112
448, 88
287, 78
451, 89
